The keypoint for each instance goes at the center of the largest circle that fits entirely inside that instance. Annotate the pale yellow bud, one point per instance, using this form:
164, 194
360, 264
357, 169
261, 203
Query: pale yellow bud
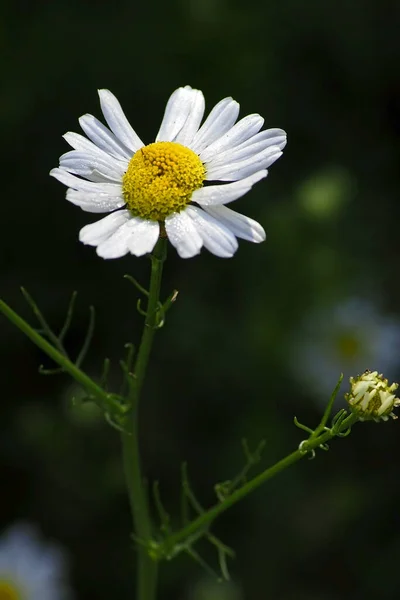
371, 397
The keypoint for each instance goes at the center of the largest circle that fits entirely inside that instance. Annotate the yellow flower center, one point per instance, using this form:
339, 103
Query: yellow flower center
8, 591
347, 345
161, 179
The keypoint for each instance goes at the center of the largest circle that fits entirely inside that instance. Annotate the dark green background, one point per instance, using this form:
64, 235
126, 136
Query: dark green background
222, 368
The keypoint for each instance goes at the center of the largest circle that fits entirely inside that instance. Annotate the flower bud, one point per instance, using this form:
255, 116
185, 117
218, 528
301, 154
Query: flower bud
371, 397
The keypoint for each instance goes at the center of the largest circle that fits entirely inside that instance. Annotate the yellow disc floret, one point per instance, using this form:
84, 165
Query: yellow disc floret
161, 179
8, 591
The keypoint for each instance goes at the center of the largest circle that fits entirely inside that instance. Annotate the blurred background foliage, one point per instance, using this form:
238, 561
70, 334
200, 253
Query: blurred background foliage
248, 337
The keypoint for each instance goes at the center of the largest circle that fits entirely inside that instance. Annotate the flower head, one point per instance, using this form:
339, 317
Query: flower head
168, 187
371, 397
345, 338
30, 570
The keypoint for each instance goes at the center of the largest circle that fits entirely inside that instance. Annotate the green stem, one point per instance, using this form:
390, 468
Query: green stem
147, 567
150, 324
107, 400
205, 519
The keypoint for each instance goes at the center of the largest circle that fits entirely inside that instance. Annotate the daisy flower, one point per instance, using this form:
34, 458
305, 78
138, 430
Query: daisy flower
30, 570
212, 589
177, 186
347, 338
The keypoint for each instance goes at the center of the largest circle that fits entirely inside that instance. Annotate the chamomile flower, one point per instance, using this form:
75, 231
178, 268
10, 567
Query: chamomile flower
347, 338
177, 186
371, 397
29, 569
212, 589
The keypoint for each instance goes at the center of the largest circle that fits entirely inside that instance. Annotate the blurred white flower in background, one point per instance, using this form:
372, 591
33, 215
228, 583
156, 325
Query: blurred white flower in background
347, 338
31, 569
211, 589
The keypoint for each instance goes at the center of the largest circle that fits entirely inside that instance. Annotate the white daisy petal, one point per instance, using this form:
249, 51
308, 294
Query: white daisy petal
183, 234
259, 142
176, 113
103, 138
86, 164
82, 144
100, 231
79, 142
217, 238
275, 136
96, 202
117, 244
243, 168
242, 131
214, 195
145, 234
117, 121
81, 184
240, 225
219, 121
192, 123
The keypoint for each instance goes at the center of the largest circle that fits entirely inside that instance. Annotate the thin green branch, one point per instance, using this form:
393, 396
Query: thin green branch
139, 287
88, 338
203, 521
105, 373
56, 371
129, 355
197, 558
328, 409
45, 327
225, 488
222, 549
108, 401
189, 492
139, 308
126, 366
164, 517
170, 300
68, 318
302, 427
